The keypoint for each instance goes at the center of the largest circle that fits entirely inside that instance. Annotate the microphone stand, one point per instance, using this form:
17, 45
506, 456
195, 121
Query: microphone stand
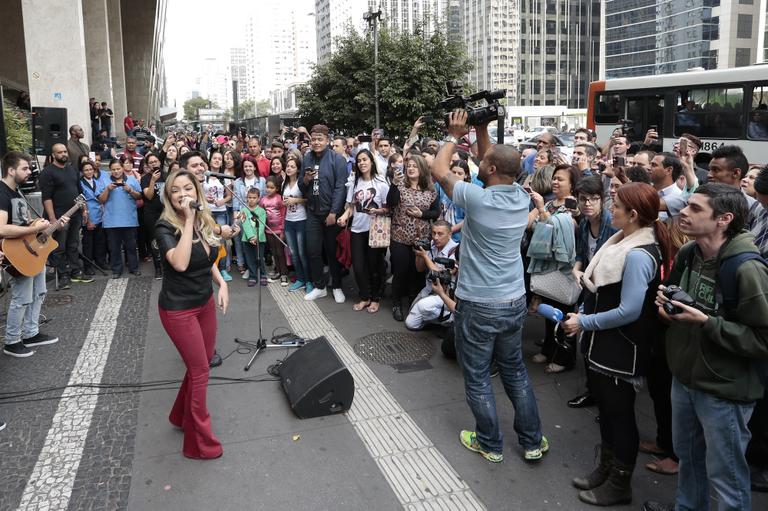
260, 343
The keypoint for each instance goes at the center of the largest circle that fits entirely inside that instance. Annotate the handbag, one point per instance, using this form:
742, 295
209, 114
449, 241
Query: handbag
379, 233
556, 285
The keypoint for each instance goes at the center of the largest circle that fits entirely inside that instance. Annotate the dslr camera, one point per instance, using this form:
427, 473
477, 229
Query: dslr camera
424, 244
475, 115
444, 276
678, 295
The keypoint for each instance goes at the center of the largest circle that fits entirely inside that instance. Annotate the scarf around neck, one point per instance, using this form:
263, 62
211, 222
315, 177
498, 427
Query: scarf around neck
607, 266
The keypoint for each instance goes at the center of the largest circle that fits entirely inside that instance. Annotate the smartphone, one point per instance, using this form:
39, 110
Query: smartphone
378, 132
527, 188
92, 156
683, 147
619, 161
654, 128
428, 119
570, 203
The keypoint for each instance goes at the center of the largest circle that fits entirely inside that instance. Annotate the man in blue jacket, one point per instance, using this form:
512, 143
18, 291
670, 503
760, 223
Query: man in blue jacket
322, 181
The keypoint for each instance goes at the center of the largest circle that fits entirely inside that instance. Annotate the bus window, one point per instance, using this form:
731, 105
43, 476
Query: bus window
708, 113
757, 128
607, 109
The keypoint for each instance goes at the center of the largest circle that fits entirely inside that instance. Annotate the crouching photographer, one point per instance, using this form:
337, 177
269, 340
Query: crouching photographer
439, 260
716, 304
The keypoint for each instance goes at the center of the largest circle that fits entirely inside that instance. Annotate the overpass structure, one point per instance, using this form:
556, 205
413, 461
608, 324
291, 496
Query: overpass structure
63, 52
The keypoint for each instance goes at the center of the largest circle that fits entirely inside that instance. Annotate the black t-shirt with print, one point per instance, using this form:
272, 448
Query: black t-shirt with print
12, 202
190, 288
153, 208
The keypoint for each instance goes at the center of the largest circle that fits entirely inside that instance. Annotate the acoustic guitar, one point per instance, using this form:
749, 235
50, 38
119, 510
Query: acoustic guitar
27, 255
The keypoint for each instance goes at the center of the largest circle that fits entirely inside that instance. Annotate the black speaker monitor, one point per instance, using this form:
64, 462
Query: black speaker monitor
49, 126
316, 381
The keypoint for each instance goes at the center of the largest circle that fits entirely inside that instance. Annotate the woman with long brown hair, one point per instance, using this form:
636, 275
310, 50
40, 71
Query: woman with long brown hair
619, 323
414, 203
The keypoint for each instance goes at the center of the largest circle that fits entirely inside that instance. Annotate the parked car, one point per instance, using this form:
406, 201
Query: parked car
537, 130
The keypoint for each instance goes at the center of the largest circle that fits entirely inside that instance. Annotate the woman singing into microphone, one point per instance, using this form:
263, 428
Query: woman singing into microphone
188, 246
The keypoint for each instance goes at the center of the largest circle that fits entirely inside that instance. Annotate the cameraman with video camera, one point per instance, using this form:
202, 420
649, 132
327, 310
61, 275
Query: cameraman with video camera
488, 322
717, 347
439, 260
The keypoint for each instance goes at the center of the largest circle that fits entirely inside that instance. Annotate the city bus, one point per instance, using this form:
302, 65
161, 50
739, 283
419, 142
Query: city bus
720, 106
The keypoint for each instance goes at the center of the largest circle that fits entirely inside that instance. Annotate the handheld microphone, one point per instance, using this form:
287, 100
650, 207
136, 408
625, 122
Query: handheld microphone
196, 205
551, 313
208, 173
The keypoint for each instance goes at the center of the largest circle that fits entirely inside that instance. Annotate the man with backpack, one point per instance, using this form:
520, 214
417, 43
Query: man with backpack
717, 348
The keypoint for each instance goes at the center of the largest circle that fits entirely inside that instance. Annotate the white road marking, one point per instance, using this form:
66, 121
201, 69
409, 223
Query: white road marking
417, 472
50, 485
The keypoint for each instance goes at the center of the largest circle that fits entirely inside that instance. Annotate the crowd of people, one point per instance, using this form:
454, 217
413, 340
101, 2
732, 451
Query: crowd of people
643, 263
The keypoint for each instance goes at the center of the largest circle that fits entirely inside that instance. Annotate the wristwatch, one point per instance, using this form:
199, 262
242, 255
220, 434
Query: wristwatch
451, 139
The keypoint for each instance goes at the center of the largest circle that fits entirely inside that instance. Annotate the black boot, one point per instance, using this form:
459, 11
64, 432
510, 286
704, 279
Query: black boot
397, 311
616, 490
600, 474
158, 272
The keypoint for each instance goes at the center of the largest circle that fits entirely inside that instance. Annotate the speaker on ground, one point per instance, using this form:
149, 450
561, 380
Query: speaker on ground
316, 381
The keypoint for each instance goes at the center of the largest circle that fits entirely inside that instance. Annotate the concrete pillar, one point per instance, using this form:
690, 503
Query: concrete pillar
13, 57
56, 66
97, 54
120, 106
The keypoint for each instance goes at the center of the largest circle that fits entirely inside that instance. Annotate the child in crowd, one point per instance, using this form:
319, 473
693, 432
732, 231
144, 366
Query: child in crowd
253, 237
275, 208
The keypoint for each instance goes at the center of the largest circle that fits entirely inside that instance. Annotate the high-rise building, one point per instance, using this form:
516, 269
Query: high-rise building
238, 72
407, 15
645, 37
559, 51
214, 83
489, 31
762, 33
332, 19
280, 43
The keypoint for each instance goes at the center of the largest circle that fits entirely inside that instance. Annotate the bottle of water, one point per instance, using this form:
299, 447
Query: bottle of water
551, 313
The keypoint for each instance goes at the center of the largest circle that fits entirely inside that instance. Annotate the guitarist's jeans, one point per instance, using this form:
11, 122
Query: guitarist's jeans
27, 295
66, 257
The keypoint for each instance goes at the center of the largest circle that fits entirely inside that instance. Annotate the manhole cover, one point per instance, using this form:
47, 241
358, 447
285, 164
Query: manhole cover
394, 348
54, 300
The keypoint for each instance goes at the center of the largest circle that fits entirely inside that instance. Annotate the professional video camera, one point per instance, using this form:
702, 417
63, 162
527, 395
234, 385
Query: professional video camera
446, 262
444, 276
424, 244
475, 115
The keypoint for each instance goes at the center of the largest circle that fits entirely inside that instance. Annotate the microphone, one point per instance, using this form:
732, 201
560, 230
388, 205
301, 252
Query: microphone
208, 173
196, 205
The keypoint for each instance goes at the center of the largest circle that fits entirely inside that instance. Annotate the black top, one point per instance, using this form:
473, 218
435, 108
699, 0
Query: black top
153, 208
12, 202
61, 186
190, 288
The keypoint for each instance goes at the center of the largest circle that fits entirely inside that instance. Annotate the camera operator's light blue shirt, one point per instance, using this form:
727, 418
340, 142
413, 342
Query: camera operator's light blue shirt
490, 261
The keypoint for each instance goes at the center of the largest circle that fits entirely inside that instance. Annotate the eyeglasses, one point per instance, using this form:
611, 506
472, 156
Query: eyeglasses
590, 200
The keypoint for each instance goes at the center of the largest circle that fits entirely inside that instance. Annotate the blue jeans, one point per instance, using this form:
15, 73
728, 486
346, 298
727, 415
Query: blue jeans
222, 218
27, 295
710, 437
494, 331
296, 238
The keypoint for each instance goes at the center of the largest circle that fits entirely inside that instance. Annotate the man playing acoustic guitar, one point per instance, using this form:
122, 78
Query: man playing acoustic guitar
22, 325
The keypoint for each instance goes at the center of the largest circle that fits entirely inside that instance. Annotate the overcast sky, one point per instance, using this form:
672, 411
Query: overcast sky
196, 29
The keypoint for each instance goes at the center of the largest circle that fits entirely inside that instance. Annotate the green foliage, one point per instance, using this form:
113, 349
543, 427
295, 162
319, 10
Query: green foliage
17, 130
412, 75
192, 105
263, 107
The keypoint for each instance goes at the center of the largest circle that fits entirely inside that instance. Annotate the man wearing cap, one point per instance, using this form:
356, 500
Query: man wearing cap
322, 181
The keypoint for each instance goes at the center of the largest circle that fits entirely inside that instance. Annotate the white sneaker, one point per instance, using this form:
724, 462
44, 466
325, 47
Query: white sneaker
315, 294
338, 295
246, 275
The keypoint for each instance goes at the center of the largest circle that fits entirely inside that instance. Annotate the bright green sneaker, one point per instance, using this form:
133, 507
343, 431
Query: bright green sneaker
538, 453
469, 440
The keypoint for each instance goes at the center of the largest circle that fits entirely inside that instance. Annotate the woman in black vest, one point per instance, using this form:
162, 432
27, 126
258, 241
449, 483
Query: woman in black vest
619, 324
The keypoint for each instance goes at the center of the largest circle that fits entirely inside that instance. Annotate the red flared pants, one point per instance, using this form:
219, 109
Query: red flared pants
193, 332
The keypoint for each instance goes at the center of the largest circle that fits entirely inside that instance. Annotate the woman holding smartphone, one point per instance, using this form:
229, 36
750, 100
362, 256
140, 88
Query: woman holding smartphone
188, 245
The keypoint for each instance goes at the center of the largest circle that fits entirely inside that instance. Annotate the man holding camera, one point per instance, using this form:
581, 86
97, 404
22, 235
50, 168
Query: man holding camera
716, 348
439, 261
491, 306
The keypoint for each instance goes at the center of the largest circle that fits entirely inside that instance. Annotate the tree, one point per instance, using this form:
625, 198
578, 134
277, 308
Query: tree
192, 105
263, 107
413, 71
247, 109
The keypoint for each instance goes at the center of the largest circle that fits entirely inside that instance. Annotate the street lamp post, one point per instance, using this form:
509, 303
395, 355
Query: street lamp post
373, 20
